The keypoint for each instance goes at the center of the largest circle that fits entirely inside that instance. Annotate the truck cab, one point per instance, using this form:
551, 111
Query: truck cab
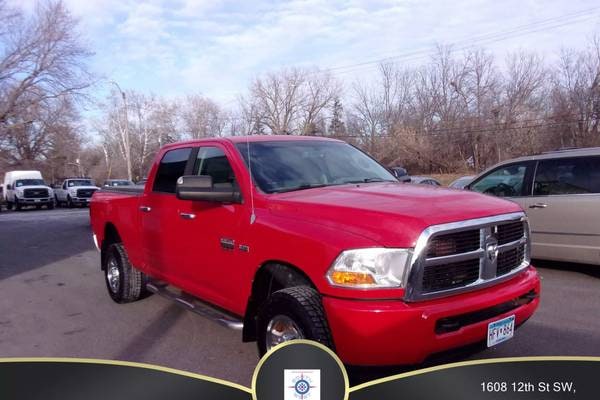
75, 192
27, 188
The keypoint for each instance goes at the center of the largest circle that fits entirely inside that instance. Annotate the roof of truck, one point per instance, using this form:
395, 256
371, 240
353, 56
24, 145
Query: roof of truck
254, 138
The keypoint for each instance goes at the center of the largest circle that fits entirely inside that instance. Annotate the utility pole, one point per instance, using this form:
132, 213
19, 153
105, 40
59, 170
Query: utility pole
125, 133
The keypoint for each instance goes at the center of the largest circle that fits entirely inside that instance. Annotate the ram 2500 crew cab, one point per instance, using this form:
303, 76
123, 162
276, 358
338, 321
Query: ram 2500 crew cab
304, 237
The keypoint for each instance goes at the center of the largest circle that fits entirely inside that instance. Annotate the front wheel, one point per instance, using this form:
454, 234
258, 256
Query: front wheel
289, 314
69, 202
17, 205
123, 281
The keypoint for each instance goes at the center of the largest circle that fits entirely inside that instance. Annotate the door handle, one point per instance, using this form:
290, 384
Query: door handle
538, 205
187, 215
145, 209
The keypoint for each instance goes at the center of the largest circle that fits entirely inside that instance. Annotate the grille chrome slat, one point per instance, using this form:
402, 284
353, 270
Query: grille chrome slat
463, 256
476, 254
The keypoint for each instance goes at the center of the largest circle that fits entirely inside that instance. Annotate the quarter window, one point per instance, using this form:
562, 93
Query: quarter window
567, 176
171, 167
505, 181
213, 162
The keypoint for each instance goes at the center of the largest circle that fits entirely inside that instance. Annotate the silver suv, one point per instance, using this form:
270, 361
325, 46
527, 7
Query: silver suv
560, 192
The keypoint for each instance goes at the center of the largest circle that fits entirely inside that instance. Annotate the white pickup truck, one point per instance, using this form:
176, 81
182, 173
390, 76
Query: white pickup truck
26, 188
75, 191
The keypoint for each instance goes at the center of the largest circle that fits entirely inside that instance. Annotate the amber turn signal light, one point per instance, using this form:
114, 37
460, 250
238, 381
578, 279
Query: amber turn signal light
351, 278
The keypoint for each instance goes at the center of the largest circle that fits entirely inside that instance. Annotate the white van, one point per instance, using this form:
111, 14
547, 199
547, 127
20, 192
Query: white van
27, 188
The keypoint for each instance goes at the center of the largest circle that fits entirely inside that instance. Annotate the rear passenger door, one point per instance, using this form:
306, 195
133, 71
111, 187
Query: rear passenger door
160, 209
564, 210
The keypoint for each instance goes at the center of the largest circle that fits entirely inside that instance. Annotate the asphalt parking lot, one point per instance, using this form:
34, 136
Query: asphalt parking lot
53, 302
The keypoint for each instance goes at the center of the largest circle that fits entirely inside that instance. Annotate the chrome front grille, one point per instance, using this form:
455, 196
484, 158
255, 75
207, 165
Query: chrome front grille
35, 193
462, 256
85, 193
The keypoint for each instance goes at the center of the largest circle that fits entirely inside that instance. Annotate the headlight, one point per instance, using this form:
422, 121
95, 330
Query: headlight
370, 268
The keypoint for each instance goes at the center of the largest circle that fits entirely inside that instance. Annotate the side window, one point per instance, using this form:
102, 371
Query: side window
212, 161
172, 166
505, 181
64, 184
567, 176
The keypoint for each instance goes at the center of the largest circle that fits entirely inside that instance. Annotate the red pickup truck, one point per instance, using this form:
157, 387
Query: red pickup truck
304, 237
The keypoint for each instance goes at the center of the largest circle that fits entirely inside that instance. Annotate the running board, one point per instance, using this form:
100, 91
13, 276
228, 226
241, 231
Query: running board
195, 305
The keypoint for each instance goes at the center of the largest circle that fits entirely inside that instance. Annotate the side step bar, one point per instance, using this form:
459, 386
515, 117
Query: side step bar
197, 306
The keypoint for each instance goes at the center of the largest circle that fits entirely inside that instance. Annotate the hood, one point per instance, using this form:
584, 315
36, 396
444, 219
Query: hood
34, 187
392, 214
83, 187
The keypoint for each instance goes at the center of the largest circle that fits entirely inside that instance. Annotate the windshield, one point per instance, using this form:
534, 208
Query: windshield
80, 182
295, 165
29, 182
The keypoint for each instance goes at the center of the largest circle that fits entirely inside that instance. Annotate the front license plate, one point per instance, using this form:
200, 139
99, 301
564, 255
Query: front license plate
500, 331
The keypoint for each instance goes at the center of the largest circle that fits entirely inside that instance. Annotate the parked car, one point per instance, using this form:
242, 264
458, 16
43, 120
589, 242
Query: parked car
400, 173
27, 188
75, 191
424, 180
461, 182
303, 237
560, 191
117, 182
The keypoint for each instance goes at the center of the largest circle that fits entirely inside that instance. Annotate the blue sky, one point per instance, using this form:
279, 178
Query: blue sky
215, 47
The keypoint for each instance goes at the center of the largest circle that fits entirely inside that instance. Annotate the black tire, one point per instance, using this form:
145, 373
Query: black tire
301, 304
9, 205
17, 205
56, 201
69, 202
50, 206
130, 280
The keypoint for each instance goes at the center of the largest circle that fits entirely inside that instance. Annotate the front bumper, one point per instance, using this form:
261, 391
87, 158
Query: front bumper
393, 332
81, 200
35, 201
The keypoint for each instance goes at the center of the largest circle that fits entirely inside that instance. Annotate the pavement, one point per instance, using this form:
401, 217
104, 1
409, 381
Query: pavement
53, 303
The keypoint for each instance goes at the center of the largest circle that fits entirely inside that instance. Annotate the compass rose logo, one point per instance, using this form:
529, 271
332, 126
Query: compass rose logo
302, 384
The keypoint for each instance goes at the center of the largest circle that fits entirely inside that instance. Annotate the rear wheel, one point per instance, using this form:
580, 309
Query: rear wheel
123, 281
289, 314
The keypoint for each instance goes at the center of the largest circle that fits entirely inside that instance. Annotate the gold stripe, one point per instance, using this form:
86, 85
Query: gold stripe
474, 362
126, 364
302, 341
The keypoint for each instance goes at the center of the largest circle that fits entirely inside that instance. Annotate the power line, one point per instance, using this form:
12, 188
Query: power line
466, 43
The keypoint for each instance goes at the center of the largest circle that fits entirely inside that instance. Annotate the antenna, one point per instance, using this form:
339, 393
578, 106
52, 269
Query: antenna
252, 215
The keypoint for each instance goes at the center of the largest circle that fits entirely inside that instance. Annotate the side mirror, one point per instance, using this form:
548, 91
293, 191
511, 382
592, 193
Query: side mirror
201, 188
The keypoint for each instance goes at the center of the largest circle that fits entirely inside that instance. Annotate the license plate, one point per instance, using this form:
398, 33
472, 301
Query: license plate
500, 331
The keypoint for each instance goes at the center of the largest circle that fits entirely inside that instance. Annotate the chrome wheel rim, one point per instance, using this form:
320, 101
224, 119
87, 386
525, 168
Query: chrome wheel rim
280, 329
112, 275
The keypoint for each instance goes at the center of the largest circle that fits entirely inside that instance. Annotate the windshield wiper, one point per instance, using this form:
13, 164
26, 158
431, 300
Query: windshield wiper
303, 187
369, 180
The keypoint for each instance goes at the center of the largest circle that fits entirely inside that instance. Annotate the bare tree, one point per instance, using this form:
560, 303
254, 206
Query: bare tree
202, 117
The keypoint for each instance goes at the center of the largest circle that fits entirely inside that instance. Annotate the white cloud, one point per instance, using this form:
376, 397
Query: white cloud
217, 46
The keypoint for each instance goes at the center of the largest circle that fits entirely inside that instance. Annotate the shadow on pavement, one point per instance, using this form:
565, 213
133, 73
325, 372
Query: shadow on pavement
588, 269
33, 239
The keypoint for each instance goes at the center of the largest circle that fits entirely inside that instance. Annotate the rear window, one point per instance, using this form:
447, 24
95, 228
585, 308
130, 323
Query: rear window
172, 166
567, 176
